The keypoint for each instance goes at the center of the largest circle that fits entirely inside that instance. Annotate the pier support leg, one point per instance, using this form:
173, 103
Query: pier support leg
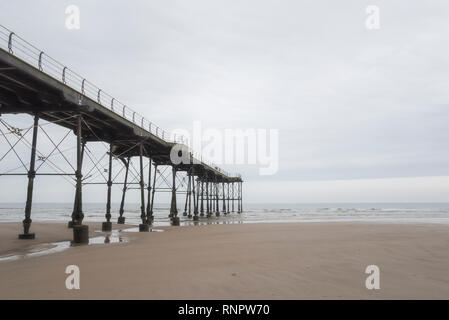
149, 205
75, 204
233, 196
207, 199
224, 198
173, 207
187, 195
217, 211
241, 197
202, 199
143, 227
212, 200
238, 197
190, 196
31, 175
121, 218
80, 232
227, 184
195, 200
152, 193
107, 225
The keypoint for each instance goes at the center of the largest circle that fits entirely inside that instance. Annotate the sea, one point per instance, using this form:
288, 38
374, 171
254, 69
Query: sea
414, 213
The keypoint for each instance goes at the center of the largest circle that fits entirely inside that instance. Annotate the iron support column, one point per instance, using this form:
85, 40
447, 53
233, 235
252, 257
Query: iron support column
202, 199
224, 198
154, 190
187, 195
212, 198
195, 200
31, 175
149, 207
107, 226
238, 197
233, 196
80, 232
207, 199
227, 184
78, 210
190, 197
121, 218
217, 212
241, 196
143, 227
173, 208
75, 203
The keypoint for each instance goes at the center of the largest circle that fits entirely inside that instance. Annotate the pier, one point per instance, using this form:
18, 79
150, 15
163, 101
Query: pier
33, 83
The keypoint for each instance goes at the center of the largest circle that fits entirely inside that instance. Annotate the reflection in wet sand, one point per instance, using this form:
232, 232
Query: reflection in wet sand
54, 247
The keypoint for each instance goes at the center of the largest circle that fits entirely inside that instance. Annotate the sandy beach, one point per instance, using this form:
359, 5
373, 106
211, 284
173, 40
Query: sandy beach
235, 261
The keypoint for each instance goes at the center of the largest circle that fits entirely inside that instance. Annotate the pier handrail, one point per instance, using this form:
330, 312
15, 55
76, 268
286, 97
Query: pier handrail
29, 53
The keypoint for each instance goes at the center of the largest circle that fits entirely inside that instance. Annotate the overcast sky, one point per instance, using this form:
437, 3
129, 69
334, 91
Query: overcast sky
370, 106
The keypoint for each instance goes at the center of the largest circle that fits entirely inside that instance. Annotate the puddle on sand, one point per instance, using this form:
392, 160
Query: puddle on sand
54, 247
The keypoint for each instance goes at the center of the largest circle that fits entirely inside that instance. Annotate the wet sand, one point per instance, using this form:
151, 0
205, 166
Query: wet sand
235, 261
